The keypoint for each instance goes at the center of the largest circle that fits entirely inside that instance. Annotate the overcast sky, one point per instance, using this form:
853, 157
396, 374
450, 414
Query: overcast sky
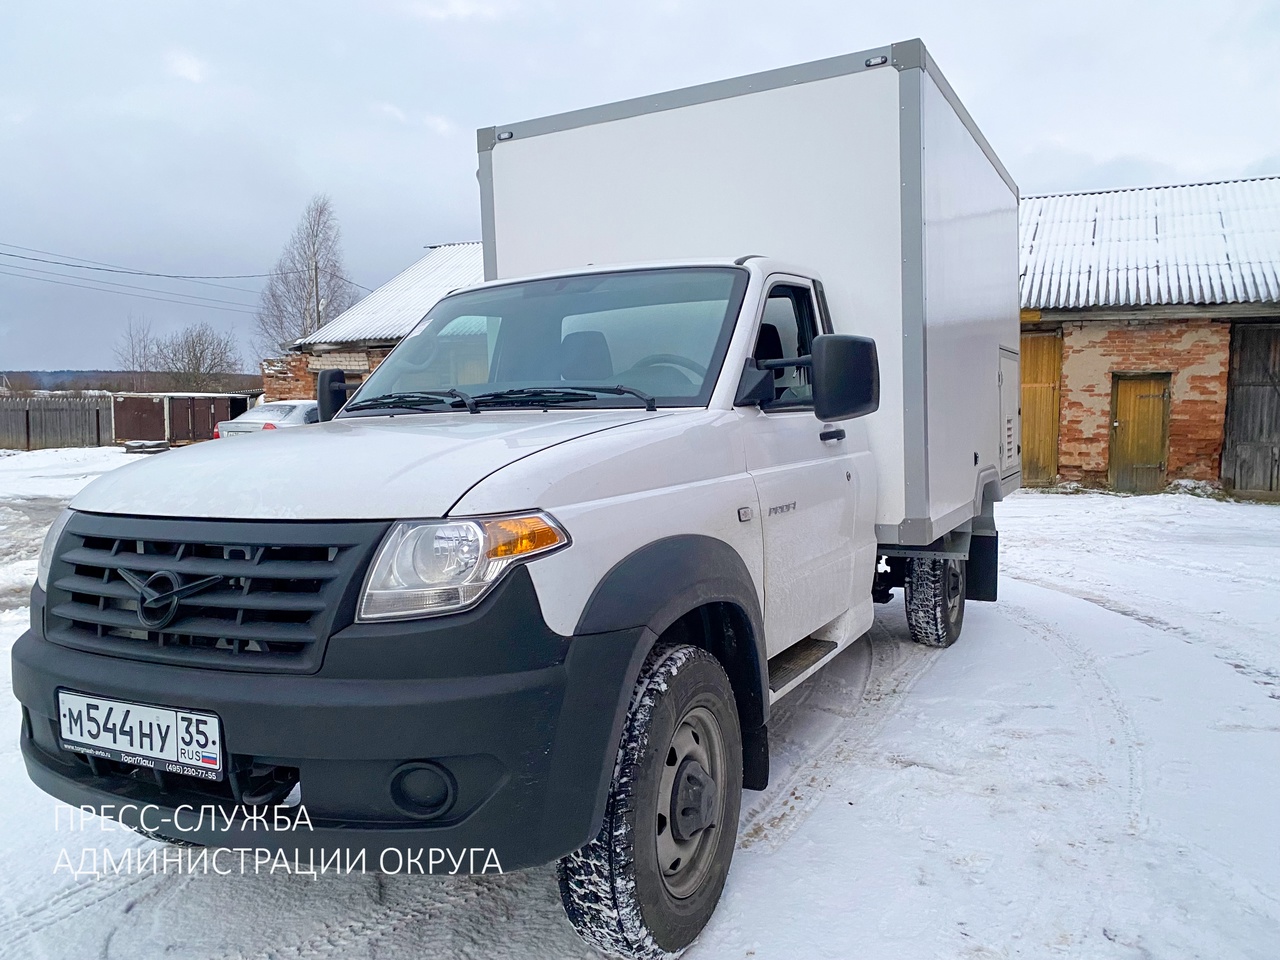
187, 137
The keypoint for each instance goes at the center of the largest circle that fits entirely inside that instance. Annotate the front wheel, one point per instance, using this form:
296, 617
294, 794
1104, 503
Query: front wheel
935, 591
650, 880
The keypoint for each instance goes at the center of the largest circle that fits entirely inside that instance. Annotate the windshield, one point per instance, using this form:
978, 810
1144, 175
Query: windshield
660, 335
268, 411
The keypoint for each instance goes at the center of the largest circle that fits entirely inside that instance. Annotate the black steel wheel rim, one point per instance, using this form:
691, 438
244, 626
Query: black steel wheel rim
693, 769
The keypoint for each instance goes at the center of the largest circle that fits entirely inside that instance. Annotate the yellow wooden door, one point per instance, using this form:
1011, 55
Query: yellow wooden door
1041, 373
1139, 432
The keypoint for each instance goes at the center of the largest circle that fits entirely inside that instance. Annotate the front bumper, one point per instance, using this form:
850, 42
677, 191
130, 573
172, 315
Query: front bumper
523, 723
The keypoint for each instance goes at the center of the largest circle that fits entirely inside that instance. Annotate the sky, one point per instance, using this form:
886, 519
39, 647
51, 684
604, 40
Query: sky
187, 138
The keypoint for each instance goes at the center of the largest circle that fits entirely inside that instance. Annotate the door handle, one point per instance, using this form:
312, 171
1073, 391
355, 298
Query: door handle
835, 433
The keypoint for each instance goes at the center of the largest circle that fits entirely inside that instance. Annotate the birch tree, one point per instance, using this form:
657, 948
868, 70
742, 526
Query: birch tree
136, 353
308, 286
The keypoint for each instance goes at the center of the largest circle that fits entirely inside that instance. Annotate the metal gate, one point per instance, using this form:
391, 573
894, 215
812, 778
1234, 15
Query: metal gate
180, 417
1251, 455
1041, 375
1139, 432
140, 418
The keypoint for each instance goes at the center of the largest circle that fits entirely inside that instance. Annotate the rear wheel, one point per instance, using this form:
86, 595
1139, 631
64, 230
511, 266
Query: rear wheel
650, 880
935, 591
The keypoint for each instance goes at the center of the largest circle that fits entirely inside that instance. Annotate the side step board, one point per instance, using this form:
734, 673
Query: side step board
797, 662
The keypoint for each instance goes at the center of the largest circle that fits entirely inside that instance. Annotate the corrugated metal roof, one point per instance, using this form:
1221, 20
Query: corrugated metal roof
394, 308
1203, 243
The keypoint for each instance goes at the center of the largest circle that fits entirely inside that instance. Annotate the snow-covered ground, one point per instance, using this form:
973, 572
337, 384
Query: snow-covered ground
1092, 771
56, 473
33, 488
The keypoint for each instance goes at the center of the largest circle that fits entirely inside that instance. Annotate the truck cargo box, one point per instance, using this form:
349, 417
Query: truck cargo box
865, 169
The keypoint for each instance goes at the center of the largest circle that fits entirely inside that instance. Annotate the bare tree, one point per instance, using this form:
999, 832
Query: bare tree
137, 353
307, 286
197, 357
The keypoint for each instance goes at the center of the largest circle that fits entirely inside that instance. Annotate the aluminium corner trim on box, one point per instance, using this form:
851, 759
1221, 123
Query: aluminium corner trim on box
915, 397
687, 96
488, 226
912, 54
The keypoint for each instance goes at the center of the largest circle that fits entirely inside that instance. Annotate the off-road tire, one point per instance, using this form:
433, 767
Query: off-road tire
614, 891
935, 600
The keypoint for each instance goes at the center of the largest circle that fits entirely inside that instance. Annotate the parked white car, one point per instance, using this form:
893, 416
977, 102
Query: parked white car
269, 416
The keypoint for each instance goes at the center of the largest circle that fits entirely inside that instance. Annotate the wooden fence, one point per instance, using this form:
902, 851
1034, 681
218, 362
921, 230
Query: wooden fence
36, 423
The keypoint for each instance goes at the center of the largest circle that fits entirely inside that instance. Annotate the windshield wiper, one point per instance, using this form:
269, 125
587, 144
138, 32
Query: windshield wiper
414, 398
545, 395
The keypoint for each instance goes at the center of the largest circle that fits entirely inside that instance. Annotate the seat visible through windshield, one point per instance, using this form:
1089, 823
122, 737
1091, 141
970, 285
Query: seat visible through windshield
662, 332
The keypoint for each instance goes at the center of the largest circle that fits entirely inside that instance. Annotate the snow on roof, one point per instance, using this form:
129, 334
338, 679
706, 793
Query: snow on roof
179, 393
1202, 243
394, 308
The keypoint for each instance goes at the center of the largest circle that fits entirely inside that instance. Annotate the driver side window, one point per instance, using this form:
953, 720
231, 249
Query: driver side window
787, 329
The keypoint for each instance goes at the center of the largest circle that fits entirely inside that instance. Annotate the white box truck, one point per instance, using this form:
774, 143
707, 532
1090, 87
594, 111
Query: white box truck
745, 363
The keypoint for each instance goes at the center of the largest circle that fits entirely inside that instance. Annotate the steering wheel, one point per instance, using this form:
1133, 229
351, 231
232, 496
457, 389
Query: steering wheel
672, 359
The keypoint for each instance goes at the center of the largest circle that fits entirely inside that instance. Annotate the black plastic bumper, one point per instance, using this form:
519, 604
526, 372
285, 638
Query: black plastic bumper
523, 722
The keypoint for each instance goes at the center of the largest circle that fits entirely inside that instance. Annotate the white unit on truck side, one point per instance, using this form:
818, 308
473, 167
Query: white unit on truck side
533, 587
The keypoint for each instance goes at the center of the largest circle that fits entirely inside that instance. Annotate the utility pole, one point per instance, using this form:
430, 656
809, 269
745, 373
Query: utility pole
315, 276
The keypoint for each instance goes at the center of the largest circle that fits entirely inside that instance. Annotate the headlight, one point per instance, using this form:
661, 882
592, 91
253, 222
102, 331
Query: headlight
429, 567
50, 545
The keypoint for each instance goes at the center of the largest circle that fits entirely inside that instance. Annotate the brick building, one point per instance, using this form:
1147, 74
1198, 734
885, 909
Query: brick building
357, 341
1151, 336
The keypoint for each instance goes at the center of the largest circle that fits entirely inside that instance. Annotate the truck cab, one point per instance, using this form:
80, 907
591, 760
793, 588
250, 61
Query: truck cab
548, 485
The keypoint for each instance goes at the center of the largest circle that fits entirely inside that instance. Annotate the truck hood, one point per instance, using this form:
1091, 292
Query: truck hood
365, 468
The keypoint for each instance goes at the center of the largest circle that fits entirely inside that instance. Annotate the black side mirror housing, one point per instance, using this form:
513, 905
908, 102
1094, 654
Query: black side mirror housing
331, 393
755, 386
846, 377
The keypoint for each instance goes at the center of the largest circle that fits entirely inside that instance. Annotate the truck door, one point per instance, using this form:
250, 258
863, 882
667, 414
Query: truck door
805, 483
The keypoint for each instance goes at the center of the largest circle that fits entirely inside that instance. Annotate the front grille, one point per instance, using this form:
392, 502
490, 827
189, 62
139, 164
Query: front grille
260, 596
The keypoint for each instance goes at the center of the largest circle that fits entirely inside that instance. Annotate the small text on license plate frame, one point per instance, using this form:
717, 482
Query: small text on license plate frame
167, 739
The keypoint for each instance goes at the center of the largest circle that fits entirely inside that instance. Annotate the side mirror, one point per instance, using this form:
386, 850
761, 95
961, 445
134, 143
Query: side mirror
846, 377
331, 393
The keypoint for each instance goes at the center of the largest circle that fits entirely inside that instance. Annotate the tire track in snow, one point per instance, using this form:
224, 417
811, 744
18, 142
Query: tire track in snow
64, 907
1205, 872
1262, 676
892, 668
1040, 548
338, 938
516, 915
1114, 726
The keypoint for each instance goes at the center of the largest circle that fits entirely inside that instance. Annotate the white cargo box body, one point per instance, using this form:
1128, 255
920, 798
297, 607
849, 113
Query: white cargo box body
865, 169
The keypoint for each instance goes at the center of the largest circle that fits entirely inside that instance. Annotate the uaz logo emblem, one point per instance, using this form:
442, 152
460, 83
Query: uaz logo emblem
160, 594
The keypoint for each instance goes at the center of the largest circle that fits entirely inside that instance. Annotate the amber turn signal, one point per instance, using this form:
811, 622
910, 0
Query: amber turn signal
517, 536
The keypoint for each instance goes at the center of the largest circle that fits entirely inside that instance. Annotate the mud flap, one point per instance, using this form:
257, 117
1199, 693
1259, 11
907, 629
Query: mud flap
983, 573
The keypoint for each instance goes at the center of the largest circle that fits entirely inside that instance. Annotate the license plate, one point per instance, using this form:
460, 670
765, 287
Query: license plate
161, 738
